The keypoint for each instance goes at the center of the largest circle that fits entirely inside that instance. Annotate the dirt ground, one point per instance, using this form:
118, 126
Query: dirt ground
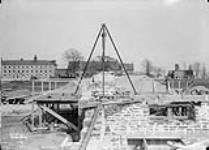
14, 135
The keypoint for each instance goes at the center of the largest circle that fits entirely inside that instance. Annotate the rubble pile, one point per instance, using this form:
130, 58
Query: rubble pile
202, 114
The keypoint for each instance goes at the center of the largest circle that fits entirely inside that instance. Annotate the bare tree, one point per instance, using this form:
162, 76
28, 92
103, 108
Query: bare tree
147, 65
72, 56
196, 68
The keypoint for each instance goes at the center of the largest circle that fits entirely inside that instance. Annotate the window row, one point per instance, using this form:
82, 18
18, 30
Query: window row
28, 71
25, 75
28, 66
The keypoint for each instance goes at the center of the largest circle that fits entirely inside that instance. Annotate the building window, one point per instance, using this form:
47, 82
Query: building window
9, 66
9, 71
36, 71
5, 67
27, 71
5, 71
18, 71
31, 71
45, 71
23, 71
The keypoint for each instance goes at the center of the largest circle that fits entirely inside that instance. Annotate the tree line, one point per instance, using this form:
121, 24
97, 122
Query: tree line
74, 56
199, 69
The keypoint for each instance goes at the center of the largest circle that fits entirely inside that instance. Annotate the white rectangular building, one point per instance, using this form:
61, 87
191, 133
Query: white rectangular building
27, 69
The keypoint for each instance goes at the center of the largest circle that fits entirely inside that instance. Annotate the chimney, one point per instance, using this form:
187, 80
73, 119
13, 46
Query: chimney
35, 58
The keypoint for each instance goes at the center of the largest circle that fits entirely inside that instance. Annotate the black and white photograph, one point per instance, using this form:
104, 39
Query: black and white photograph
104, 75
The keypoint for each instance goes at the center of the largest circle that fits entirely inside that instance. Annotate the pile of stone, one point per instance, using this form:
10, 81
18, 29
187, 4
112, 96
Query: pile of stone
202, 114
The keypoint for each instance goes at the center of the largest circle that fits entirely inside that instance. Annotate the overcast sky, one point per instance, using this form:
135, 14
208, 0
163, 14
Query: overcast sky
164, 31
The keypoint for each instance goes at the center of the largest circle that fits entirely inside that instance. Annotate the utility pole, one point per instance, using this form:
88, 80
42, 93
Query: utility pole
104, 32
0, 82
0, 90
103, 59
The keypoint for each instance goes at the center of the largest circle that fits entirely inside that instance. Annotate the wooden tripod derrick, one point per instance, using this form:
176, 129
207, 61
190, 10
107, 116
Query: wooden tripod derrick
103, 32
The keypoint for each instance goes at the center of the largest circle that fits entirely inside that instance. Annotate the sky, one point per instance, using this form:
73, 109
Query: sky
163, 31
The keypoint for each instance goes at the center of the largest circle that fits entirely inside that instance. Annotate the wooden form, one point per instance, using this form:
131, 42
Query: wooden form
52, 84
38, 118
177, 111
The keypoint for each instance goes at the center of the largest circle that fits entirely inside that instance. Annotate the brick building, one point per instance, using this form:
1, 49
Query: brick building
178, 73
26, 69
96, 66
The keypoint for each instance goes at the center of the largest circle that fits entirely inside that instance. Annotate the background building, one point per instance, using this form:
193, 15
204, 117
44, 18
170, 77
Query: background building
177, 73
27, 69
76, 68
96, 66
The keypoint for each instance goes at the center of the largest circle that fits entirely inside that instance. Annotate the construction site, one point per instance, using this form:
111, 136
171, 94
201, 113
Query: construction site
106, 112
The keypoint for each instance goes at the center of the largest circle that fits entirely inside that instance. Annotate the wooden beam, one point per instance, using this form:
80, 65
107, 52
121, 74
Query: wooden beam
57, 116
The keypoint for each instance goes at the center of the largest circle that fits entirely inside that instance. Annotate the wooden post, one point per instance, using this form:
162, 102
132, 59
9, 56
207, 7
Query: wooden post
40, 118
32, 116
42, 86
55, 84
180, 111
50, 86
58, 108
153, 87
80, 111
169, 113
33, 86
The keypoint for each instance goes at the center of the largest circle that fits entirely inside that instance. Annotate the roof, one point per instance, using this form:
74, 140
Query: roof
28, 62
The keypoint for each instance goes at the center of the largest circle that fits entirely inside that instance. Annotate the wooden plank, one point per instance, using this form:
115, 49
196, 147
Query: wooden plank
56, 101
86, 138
57, 116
